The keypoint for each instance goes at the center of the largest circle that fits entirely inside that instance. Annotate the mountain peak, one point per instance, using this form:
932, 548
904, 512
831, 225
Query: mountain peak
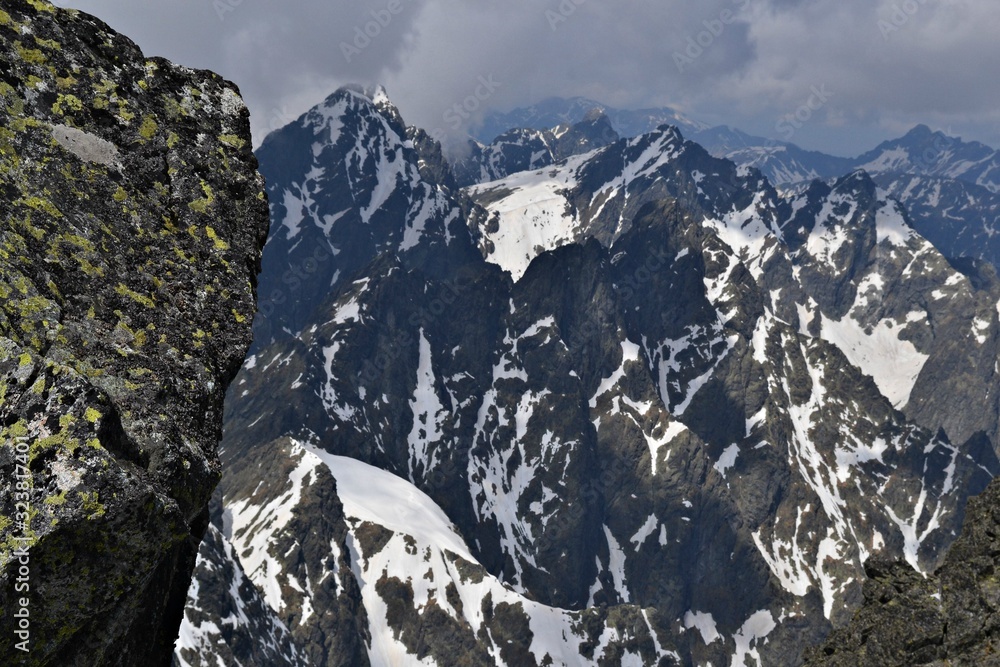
919, 132
857, 178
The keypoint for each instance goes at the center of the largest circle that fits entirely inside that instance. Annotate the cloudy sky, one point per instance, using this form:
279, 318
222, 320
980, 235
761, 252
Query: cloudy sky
881, 65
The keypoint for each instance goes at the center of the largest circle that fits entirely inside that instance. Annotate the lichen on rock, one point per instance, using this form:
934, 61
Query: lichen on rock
132, 222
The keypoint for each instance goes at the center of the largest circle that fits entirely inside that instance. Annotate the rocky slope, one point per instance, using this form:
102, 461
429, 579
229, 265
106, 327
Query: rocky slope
948, 186
132, 223
528, 149
631, 408
951, 618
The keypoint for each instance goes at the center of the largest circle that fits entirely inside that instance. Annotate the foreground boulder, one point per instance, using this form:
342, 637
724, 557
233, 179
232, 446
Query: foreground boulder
132, 218
950, 618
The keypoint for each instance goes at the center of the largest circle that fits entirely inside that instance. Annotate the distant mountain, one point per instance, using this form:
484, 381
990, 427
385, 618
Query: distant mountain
928, 153
562, 111
959, 218
783, 163
633, 407
527, 149
951, 188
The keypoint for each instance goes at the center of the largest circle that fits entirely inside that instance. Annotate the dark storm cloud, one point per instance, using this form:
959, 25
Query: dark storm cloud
887, 64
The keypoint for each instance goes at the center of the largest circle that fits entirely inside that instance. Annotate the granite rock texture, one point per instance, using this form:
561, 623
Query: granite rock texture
132, 218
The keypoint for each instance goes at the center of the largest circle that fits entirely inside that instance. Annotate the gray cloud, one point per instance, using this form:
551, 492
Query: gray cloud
889, 64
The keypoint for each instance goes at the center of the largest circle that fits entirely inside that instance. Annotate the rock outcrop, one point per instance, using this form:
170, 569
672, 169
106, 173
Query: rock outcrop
132, 218
951, 618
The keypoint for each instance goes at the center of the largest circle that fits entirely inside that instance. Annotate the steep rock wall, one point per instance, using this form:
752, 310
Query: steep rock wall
132, 218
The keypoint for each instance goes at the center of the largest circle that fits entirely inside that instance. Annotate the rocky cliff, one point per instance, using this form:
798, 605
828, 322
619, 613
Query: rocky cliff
951, 618
132, 222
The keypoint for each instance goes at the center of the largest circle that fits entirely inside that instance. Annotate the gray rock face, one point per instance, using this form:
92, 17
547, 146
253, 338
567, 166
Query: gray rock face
950, 618
132, 224
529, 149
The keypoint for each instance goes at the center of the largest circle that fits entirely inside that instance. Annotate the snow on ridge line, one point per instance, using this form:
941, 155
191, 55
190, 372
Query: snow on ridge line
372, 494
253, 525
533, 214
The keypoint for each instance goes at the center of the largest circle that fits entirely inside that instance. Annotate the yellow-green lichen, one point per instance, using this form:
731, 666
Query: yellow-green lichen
67, 100
57, 500
39, 204
146, 301
219, 243
233, 141
87, 267
32, 305
42, 6
48, 43
105, 87
33, 56
59, 441
148, 127
91, 504
201, 205
92, 415
124, 113
18, 429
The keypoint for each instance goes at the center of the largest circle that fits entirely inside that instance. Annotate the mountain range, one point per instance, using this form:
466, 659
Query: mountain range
949, 186
584, 399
